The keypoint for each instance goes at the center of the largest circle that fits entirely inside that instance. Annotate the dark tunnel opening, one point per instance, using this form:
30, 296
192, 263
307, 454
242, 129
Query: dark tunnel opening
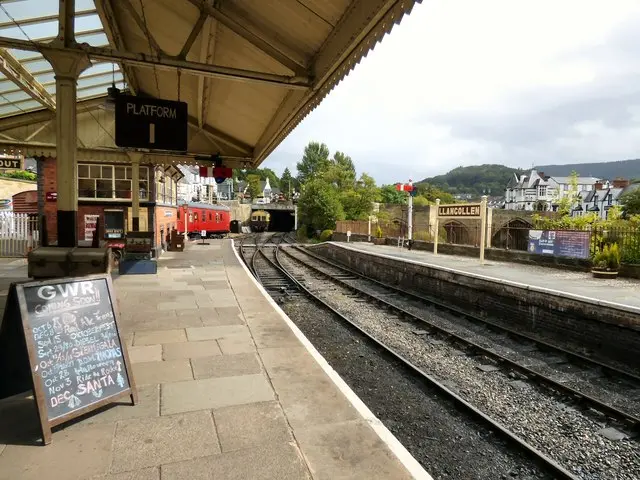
281, 220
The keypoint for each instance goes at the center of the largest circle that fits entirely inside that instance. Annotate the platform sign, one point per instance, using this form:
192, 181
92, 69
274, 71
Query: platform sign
457, 210
11, 163
151, 123
61, 339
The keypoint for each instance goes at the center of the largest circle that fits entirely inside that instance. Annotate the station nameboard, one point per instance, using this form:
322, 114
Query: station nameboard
74, 353
466, 210
151, 123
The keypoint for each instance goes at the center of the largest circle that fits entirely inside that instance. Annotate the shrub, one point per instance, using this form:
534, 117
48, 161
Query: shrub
608, 258
379, 232
301, 234
325, 236
20, 174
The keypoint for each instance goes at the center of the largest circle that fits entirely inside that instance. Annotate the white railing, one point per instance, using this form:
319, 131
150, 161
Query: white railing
18, 234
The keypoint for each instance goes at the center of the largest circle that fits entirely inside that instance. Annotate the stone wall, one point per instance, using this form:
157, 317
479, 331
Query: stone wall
607, 331
10, 186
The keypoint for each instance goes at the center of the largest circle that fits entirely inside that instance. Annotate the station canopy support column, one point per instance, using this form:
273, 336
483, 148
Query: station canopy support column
67, 67
135, 157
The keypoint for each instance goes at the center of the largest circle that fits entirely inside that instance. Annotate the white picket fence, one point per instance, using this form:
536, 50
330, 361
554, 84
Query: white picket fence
18, 234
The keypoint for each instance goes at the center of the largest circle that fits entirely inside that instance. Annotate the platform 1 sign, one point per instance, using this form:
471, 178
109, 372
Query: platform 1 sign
151, 123
70, 347
465, 210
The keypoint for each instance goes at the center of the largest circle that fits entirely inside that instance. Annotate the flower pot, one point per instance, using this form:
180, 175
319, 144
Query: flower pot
606, 274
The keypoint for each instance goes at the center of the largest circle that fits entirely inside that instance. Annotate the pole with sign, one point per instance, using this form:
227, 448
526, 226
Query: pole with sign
464, 210
437, 232
348, 235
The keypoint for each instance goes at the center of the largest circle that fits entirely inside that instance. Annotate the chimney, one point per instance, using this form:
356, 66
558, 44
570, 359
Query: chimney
620, 183
598, 185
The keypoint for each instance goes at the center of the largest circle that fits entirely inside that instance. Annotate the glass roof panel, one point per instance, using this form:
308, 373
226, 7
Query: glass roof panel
37, 20
94, 92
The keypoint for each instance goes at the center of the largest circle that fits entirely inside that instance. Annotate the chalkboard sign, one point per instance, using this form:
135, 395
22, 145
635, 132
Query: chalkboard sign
77, 359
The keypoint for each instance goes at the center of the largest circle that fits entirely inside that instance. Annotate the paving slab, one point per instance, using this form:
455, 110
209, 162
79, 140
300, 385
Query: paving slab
270, 462
206, 348
160, 372
251, 425
226, 366
160, 336
150, 442
152, 473
269, 336
74, 452
145, 353
291, 363
305, 407
235, 344
209, 393
212, 333
166, 323
335, 449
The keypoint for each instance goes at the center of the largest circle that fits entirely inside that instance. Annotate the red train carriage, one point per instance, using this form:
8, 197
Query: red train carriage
193, 218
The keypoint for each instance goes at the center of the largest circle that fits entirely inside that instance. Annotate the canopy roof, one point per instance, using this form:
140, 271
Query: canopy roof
249, 70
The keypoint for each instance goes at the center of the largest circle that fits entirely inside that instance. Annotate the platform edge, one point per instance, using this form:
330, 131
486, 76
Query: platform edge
402, 454
534, 288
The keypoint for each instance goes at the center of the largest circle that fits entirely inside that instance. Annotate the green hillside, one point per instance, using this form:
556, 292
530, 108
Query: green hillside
607, 170
477, 179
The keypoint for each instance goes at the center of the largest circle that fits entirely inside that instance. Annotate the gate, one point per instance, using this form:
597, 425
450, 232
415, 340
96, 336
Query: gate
18, 234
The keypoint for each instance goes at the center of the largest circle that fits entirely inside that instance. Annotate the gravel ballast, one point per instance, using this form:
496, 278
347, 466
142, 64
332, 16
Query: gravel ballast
567, 435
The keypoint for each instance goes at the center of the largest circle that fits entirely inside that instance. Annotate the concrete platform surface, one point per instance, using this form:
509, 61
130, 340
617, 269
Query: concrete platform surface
621, 291
229, 390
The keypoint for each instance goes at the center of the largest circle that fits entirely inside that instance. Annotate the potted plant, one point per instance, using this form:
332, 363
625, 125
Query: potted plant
379, 240
606, 263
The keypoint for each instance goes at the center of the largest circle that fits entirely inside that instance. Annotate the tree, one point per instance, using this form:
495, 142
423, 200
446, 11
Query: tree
567, 202
267, 173
340, 172
315, 162
631, 202
431, 193
389, 194
287, 182
319, 206
357, 201
253, 182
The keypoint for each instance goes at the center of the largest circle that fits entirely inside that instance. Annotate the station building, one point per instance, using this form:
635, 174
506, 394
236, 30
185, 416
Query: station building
105, 200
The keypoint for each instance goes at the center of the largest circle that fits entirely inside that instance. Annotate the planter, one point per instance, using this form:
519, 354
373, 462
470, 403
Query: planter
379, 241
606, 274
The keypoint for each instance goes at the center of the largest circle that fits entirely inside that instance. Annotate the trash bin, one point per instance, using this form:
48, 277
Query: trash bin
235, 226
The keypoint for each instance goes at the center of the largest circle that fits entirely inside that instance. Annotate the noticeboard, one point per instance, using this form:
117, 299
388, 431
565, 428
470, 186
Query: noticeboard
465, 210
71, 344
153, 123
560, 243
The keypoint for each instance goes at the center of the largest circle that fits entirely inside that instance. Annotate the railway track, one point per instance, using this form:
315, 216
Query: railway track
394, 302
271, 266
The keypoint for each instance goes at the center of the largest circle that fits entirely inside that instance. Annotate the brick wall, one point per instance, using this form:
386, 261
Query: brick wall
606, 331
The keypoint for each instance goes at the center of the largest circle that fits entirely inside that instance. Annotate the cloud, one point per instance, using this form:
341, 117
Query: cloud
462, 82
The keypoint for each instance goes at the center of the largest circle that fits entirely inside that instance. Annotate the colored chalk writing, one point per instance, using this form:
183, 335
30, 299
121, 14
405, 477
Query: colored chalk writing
79, 359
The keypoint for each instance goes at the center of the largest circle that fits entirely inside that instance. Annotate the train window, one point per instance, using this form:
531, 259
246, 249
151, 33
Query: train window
190, 217
211, 216
178, 214
195, 216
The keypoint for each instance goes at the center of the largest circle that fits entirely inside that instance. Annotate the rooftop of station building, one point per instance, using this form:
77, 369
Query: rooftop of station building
249, 72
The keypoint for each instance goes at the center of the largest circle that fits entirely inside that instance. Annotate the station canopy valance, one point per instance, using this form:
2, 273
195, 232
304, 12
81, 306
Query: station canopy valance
249, 71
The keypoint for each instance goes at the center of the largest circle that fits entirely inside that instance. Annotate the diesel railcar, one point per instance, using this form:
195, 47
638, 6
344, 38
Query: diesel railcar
260, 221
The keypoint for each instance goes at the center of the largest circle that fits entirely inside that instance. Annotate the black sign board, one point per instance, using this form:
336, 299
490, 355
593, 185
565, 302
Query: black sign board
151, 123
71, 344
460, 210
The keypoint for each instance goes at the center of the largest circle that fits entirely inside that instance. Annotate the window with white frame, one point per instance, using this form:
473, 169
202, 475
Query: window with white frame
542, 191
110, 182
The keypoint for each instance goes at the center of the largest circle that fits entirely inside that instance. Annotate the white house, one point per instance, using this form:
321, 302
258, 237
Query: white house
602, 197
536, 191
194, 188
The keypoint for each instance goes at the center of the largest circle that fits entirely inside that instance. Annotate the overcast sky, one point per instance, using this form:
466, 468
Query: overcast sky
466, 82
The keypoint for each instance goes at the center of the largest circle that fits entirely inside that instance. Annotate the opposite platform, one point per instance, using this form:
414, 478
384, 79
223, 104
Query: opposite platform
229, 389
621, 292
